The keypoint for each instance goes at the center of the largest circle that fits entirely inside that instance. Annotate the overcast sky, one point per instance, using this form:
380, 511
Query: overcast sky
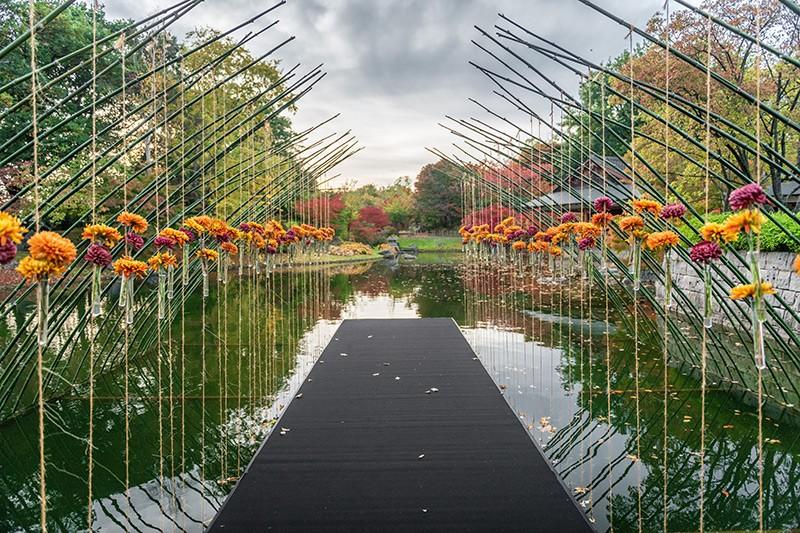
396, 67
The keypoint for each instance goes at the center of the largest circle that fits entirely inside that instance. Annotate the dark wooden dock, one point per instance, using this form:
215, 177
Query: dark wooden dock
399, 428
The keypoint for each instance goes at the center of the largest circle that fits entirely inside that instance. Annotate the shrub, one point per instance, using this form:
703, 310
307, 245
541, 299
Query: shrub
775, 237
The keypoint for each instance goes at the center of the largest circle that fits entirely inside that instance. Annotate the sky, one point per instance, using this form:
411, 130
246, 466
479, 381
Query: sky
395, 68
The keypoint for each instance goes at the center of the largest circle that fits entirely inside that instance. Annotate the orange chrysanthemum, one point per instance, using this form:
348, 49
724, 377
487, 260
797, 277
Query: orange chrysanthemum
646, 206
587, 229
207, 254
135, 222
162, 260
51, 247
746, 221
11, 229
742, 292
129, 267
199, 224
602, 219
555, 251
35, 270
519, 245
178, 236
661, 239
797, 264
101, 234
631, 224
229, 248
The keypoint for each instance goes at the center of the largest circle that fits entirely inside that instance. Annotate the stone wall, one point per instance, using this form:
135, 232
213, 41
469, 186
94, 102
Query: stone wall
776, 268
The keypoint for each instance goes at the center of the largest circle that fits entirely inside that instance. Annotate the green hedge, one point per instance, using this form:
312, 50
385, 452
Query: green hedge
773, 238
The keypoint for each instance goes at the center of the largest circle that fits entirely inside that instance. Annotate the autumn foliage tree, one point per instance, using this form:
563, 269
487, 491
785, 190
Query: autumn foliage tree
370, 225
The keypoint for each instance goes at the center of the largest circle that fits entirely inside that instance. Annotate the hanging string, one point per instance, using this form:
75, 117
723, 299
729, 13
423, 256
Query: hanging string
665, 340
704, 346
37, 222
604, 252
635, 304
92, 347
759, 51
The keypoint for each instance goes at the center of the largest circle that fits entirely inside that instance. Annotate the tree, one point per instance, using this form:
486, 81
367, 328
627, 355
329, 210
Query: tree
438, 196
370, 225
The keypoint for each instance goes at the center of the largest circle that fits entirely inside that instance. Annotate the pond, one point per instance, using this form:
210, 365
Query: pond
547, 348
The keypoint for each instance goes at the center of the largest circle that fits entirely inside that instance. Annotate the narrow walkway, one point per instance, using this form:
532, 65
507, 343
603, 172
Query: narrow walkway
399, 428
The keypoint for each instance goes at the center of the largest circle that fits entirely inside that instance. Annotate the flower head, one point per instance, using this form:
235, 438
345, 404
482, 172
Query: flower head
162, 241
53, 248
712, 231
189, 234
586, 243
555, 251
199, 224
134, 240
742, 292
36, 269
8, 252
134, 222
747, 196
11, 229
207, 254
162, 260
179, 237
797, 265
569, 217
661, 239
129, 267
229, 248
519, 246
602, 219
631, 224
643, 205
603, 204
746, 221
101, 234
672, 211
705, 252
98, 254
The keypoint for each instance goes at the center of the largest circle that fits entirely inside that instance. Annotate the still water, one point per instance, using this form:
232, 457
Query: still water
590, 391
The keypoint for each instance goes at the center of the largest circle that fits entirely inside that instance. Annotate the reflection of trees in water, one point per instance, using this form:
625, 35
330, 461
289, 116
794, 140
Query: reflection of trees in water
205, 422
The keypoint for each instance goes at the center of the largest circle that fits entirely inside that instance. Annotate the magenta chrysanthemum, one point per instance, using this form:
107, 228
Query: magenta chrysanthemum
603, 204
586, 243
189, 233
134, 240
164, 242
532, 230
272, 250
670, 211
8, 252
97, 254
747, 196
705, 251
569, 217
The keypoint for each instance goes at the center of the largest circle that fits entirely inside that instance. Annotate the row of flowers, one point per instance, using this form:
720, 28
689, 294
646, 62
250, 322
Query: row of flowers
50, 254
649, 226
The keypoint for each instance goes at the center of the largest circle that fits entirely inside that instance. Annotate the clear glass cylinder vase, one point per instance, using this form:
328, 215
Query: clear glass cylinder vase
185, 265
668, 277
97, 304
708, 302
162, 294
129, 291
170, 282
759, 351
204, 266
241, 261
636, 263
42, 310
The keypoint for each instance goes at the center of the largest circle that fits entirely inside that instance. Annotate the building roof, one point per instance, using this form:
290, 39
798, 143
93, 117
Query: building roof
587, 193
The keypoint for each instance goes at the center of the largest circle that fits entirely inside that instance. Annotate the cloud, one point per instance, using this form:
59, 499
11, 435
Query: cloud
396, 67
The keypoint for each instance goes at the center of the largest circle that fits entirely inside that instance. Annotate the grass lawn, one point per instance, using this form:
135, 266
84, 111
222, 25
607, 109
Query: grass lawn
328, 258
431, 243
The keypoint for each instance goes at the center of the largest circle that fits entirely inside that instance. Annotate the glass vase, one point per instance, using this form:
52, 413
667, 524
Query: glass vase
204, 266
708, 308
222, 268
668, 277
128, 300
122, 291
241, 261
162, 294
185, 265
170, 282
636, 263
42, 310
97, 307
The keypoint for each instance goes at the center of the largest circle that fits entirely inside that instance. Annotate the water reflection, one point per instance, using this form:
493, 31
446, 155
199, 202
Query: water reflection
202, 399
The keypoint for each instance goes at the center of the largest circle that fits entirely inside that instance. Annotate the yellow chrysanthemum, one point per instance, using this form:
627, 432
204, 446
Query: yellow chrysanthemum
746, 221
207, 254
101, 234
129, 267
178, 236
11, 229
713, 232
162, 260
36, 269
742, 292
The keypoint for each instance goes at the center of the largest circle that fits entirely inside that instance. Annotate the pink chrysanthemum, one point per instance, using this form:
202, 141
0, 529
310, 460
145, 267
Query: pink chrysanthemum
134, 240
603, 204
164, 242
747, 196
8, 252
586, 243
97, 254
671, 211
705, 252
569, 217
189, 233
